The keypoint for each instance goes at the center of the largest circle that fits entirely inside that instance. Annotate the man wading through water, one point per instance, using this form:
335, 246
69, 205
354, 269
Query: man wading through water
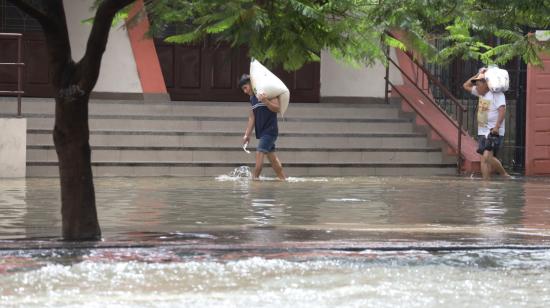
491, 110
263, 118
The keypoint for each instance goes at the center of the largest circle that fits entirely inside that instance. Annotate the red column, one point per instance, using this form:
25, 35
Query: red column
537, 131
145, 54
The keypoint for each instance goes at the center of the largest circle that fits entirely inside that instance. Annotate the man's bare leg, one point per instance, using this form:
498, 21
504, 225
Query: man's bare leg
259, 165
485, 166
496, 165
276, 165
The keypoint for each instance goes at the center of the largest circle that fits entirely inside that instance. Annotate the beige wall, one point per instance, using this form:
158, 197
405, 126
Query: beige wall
13, 147
118, 67
340, 79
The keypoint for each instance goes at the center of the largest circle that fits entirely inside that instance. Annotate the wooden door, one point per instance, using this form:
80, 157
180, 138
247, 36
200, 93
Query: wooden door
209, 72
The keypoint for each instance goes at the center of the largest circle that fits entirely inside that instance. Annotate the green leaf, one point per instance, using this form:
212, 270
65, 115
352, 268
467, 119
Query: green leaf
395, 43
222, 25
293, 32
183, 38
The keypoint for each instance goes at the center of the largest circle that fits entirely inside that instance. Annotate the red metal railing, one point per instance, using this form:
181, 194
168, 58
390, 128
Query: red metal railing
422, 82
19, 66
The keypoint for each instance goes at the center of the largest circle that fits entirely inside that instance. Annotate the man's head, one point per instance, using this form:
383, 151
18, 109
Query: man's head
481, 84
244, 84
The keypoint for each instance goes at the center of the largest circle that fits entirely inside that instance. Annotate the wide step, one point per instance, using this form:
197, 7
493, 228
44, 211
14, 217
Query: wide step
228, 139
110, 169
238, 156
231, 109
229, 124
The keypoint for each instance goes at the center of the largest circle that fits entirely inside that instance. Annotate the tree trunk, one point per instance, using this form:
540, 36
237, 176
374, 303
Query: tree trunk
74, 83
71, 138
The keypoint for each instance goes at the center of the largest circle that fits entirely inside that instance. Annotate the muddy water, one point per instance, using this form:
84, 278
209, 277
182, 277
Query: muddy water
308, 242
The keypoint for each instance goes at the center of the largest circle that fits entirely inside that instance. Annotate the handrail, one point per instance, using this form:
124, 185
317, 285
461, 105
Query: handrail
437, 82
19, 66
426, 93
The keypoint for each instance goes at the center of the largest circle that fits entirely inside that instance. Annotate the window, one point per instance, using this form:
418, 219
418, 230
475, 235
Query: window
13, 20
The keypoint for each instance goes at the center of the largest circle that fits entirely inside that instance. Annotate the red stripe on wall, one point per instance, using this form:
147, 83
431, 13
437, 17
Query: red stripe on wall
145, 54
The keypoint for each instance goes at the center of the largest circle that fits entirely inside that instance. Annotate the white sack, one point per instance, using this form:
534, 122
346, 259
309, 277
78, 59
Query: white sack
497, 79
264, 81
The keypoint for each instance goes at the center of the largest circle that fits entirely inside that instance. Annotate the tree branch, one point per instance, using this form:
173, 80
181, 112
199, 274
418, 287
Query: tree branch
91, 62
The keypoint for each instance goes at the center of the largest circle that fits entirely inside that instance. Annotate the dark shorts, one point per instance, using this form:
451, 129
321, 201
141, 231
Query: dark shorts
482, 143
266, 144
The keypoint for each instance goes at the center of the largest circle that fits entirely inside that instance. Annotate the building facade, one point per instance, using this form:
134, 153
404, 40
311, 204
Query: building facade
138, 68
202, 72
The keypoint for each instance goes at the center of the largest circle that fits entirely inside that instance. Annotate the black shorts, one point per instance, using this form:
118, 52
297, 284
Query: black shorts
482, 142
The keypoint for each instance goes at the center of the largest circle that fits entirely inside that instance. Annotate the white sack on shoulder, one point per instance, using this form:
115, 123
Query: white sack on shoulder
264, 81
497, 79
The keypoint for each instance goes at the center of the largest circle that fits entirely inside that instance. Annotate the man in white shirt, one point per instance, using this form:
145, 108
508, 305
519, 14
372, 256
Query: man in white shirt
491, 111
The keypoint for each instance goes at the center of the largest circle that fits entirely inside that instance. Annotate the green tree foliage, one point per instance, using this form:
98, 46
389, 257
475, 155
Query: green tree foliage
290, 32
293, 32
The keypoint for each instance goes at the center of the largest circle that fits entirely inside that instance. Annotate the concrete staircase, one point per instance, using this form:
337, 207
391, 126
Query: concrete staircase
204, 139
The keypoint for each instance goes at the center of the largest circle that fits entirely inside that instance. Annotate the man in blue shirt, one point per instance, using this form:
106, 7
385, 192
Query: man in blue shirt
263, 118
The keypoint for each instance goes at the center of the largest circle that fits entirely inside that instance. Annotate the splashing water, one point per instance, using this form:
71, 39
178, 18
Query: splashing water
292, 179
239, 173
245, 173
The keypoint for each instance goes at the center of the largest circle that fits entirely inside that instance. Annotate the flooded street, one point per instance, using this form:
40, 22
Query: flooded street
303, 209
308, 242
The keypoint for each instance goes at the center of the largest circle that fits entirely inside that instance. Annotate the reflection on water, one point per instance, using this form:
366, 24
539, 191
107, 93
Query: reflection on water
308, 242
13, 208
497, 210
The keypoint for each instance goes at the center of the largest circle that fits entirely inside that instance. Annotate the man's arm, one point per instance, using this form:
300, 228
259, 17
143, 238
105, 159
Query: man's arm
500, 119
272, 104
249, 127
468, 85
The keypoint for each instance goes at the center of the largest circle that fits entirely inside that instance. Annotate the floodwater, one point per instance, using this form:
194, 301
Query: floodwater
308, 242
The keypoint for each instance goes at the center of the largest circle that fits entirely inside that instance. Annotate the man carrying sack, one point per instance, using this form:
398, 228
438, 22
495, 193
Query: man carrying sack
263, 118
491, 110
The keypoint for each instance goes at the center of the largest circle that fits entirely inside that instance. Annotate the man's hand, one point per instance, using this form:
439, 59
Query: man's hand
261, 96
246, 139
500, 119
468, 84
272, 104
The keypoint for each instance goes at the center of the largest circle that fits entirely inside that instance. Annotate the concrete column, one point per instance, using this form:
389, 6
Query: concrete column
13, 147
